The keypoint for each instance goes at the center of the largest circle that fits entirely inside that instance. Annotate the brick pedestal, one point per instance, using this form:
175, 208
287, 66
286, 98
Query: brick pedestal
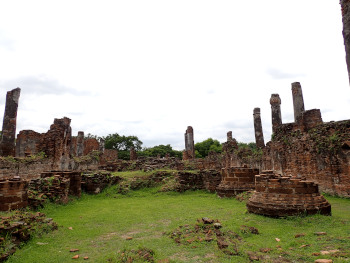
279, 196
13, 194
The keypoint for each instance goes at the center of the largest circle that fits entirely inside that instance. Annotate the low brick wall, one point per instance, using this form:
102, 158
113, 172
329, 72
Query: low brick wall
236, 180
278, 196
74, 179
54, 188
206, 179
96, 182
13, 194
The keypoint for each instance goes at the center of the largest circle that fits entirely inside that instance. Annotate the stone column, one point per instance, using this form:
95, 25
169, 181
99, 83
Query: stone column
80, 143
133, 154
229, 136
189, 142
259, 136
7, 144
345, 8
275, 102
298, 101
102, 145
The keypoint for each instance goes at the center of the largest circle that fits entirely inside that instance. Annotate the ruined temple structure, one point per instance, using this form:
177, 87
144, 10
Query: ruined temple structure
259, 136
236, 180
280, 196
8, 137
311, 148
189, 152
345, 8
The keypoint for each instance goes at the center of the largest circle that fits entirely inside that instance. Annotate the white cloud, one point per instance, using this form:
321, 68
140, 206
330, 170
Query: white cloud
152, 68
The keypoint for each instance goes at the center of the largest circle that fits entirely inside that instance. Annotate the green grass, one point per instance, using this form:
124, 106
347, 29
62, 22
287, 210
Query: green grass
100, 225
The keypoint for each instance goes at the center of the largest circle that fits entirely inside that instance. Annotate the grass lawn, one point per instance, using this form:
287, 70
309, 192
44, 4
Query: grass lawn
100, 226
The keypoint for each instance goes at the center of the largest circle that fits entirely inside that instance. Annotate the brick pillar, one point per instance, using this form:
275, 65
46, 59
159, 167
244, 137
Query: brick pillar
259, 136
133, 154
275, 102
229, 136
80, 143
189, 142
298, 101
7, 144
345, 6
102, 145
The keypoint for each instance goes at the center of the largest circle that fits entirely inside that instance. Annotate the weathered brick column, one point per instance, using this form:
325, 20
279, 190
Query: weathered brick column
279, 196
80, 143
133, 154
345, 8
275, 102
229, 136
189, 142
259, 136
298, 101
7, 144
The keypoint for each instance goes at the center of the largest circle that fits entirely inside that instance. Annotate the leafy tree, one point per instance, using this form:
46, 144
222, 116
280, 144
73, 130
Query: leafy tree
160, 150
122, 144
203, 148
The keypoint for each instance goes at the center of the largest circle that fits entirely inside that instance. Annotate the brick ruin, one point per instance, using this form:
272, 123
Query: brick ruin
259, 136
277, 196
345, 6
13, 194
311, 148
8, 137
189, 152
236, 180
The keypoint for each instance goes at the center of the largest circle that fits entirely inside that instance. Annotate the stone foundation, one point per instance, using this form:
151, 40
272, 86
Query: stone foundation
236, 180
13, 194
279, 196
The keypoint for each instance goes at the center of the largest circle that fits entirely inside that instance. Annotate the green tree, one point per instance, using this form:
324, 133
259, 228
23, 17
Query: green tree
122, 144
160, 150
203, 148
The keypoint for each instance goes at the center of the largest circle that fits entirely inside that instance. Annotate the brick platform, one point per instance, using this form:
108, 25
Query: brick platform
13, 194
236, 180
279, 196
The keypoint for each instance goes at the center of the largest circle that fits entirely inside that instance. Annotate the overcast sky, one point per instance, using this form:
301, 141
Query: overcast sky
151, 68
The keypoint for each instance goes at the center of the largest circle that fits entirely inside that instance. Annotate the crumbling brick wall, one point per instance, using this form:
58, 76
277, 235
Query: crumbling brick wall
28, 143
320, 152
26, 168
90, 144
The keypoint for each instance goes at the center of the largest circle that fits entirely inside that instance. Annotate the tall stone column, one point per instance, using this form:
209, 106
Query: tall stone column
229, 136
275, 102
8, 138
345, 8
133, 154
259, 136
298, 101
80, 143
189, 142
